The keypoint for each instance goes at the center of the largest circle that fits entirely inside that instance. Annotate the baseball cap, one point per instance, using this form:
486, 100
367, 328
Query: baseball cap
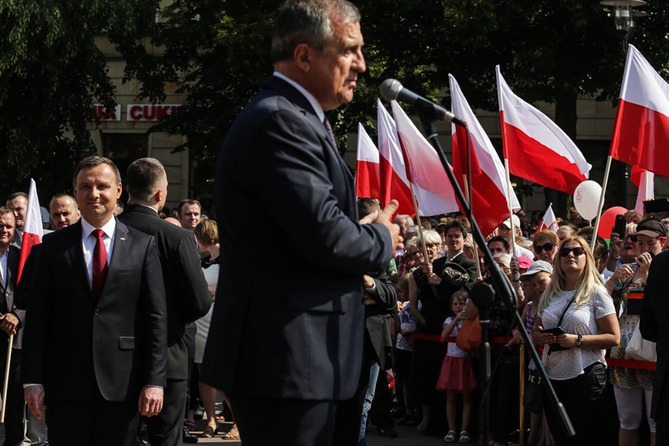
651, 228
537, 267
516, 222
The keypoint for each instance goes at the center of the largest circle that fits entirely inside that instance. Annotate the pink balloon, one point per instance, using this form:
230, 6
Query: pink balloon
607, 221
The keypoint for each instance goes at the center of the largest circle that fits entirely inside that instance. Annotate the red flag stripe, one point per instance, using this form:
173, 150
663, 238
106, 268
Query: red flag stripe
540, 164
641, 137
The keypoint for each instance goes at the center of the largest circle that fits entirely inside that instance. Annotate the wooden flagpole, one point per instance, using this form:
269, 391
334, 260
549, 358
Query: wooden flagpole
5, 384
593, 242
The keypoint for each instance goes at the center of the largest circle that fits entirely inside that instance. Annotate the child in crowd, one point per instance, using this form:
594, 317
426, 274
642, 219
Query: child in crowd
535, 281
403, 350
457, 374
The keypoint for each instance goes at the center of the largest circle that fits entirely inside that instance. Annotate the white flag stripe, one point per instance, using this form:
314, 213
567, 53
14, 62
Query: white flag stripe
366, 149
389, 144
537, 125
642, 85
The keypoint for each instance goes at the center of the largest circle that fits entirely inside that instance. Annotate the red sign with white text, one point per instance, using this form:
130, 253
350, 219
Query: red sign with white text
150, 112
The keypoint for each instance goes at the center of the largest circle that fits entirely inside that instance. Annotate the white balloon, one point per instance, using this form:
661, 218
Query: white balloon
586, 199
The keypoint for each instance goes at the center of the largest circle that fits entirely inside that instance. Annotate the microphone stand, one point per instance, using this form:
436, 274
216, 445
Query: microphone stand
502, 287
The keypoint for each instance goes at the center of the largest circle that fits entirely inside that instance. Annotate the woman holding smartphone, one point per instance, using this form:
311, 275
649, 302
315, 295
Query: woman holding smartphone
576, 313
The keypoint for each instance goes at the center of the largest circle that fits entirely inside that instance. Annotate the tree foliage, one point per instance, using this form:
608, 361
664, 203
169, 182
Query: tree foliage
51, 73
216, 52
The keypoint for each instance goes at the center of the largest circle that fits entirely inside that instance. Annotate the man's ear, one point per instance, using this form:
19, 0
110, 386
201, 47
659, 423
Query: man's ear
302, 56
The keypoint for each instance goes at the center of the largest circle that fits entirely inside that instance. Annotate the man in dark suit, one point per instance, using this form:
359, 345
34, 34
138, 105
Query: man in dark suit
380, 301
11, 320
286, 339
95, 341
654, 326
188, 297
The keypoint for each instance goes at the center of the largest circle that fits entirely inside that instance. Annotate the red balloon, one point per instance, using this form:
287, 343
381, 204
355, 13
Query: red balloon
607, 221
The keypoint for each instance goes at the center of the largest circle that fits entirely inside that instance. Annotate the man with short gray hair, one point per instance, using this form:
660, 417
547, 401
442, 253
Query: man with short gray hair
292, 344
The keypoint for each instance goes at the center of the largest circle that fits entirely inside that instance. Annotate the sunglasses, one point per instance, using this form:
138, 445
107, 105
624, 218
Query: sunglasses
548, 247
632, 237
578, 251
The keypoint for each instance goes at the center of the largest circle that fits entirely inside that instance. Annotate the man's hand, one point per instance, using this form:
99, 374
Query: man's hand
8, 323
150, 401
34, 396
383, 218
633, 216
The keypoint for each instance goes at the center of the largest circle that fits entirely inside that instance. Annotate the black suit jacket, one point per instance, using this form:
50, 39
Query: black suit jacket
289, 316
8, 304
188, 297
377, 317
438, 307
655, 326
75, 342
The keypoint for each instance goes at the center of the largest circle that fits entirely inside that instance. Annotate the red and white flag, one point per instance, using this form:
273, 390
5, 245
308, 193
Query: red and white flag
641, 131
32, 227
548, 221
394, 181
489, 187
367, 179
645, 181
432, 187
536, 148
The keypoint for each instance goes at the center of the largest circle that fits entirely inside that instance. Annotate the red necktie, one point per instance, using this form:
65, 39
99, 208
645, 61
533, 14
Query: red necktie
99, 263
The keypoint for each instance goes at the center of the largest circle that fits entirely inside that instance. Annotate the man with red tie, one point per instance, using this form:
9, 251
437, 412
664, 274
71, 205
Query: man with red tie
96, 336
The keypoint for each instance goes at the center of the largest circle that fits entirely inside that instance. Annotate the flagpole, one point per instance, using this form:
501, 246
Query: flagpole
5, 384
420, 226
469, 200
513, 230
607, 170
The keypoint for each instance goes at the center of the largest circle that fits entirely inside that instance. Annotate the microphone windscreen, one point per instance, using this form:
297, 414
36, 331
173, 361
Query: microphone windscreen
389, 89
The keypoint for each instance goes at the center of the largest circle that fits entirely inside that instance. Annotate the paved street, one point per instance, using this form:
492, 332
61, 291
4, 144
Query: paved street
407, 436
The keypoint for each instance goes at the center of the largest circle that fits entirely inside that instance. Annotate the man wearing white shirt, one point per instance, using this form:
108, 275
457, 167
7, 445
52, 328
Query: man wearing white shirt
96, 336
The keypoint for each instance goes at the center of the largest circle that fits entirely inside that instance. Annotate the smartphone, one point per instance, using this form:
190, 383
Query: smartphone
557, 331
619, 227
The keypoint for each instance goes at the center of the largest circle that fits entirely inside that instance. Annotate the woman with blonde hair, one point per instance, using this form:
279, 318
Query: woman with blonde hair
577, 322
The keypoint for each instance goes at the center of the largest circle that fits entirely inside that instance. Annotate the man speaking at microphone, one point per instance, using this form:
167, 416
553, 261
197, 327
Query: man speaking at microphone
286, 338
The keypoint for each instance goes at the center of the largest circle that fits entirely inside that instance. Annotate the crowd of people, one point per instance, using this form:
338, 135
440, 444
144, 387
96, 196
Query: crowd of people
111, 313
574, 303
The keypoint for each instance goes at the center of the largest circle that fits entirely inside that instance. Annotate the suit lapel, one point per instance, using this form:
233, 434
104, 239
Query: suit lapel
12, 269
119, 253
74, 244
292, 94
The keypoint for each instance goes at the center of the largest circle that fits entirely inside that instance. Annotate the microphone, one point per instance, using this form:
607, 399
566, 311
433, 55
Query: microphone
392, 89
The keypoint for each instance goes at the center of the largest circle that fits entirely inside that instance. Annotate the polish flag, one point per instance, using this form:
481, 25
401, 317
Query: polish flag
645, 181
32, 228
367, 179
432, 187
641, 132
394, 181
548, 221
489, 187
537, 149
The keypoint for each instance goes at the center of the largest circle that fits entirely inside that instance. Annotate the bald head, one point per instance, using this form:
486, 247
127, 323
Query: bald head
64, 211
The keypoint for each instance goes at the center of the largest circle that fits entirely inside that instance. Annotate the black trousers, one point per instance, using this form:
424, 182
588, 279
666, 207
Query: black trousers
95, 421
166, 428
15, 403
584, 399
292, 422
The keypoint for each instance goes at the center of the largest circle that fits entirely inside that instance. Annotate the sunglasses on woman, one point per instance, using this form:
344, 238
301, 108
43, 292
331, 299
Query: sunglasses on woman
578, 251
548, 247
632, 237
